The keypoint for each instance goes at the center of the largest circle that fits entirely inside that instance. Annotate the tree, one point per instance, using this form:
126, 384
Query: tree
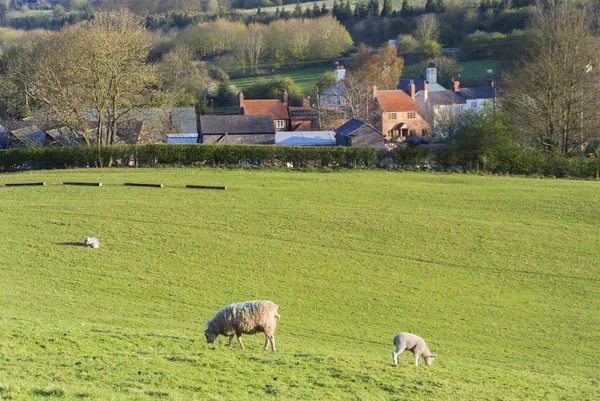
447, 68
406, 43
405, 10
439, 6
272, 88
86, 76
298, 10
4, 6
382, 69
430, 49
428, 28
552, 93
429, 6
386, 10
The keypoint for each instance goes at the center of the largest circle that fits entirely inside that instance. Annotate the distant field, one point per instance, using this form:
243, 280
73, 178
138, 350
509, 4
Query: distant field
477, 69
499, 274
306, 78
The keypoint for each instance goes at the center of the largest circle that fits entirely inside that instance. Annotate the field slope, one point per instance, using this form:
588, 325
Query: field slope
500, 275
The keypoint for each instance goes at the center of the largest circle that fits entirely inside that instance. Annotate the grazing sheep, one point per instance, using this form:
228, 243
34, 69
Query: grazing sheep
413, 343
91, 242
244, 318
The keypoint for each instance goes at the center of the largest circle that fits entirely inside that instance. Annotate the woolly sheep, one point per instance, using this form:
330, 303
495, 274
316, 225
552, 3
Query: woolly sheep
244, 318
91, 242
413, 343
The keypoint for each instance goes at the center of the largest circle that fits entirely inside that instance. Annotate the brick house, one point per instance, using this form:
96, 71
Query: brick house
285, 117
398, 116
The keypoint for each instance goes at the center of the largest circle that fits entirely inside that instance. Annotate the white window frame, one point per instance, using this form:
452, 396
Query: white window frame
279, 123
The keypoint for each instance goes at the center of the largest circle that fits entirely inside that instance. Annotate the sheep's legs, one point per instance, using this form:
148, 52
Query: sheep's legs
416, 359
273, 343
230, 340
239, 338
396, 354
266, 342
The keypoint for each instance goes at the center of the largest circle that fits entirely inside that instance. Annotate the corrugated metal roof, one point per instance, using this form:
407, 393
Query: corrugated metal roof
237, 125
182, 138
305, 138
349, 127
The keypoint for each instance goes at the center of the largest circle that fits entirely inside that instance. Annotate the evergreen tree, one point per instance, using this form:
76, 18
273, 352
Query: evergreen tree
277, 13
336, 9
259, 11
356, 13
347, 10
316, 11
439, 6
405, 10
386, 11
324, 10
307, 12
298, 10
429, 6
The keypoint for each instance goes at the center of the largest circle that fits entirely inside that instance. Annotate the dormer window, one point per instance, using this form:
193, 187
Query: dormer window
279, 123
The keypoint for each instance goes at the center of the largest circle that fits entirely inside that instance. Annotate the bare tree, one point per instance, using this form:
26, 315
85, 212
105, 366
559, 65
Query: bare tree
428, 29
552, 95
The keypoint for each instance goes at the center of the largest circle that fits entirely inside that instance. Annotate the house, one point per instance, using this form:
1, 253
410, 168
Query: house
334, 95
242, 129
358, 133
430, 79
398, 114
476, 98
285, 117
440, 105
305, 138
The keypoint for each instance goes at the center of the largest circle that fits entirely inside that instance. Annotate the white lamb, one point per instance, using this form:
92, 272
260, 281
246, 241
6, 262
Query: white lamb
91, 242
414, 344
244, 318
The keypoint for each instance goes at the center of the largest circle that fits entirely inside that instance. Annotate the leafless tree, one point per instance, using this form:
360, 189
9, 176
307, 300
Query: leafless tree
552, 95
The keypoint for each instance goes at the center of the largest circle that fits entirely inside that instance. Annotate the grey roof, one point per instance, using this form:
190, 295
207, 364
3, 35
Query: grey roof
484, 92
235, 125
333, 90
445, 98
303, 113
31, 136
349, 127
4, 139
65, 136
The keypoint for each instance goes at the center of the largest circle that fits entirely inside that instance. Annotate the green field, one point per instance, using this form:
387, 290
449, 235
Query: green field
478, 69
500, 275
305, 78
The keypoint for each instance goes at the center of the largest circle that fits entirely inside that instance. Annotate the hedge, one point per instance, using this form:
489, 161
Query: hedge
513, 160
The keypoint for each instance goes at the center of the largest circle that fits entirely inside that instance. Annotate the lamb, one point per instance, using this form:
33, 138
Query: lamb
244, 318
91, 242
413, 343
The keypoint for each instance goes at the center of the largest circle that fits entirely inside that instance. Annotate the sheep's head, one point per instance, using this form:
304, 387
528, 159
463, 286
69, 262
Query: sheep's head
429, 359
210, 337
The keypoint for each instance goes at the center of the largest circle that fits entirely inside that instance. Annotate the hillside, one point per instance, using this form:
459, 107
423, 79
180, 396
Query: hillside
498, 274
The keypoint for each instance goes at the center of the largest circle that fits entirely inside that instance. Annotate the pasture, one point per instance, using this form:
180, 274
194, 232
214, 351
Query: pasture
306, 78
500, 275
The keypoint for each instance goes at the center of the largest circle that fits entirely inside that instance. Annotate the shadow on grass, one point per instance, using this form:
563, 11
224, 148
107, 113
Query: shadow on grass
70, 243
48, 392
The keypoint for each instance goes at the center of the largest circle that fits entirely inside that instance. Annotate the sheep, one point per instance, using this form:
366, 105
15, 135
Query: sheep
413, 343
91, 242
244, 318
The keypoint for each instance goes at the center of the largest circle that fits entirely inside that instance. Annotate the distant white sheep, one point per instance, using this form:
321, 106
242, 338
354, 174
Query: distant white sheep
413, 343
91, 242
244, 318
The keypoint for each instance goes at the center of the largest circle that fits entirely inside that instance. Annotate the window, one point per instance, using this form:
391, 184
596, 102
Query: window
280, 124
411, 114
391, 116
424, 132
474, 104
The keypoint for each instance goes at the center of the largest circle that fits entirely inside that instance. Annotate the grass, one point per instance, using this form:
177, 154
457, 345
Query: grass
306, 78
500, 275
479, 68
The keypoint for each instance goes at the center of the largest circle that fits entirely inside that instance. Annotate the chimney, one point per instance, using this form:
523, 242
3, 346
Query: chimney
374, 91
241, 97
431, 74
425, 91
340, 73
411, 86
305, 102
492, 83
285, 97
456, 85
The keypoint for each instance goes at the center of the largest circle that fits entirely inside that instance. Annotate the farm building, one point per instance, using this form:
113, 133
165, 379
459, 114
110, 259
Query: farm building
358, 133
182, 138
258, 130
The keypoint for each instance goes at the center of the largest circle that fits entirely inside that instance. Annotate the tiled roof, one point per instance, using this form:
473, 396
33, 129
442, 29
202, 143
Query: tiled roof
349, 127
445, 98
303, 113
237, 125
30, 136
395, 100
485, 92
265, 107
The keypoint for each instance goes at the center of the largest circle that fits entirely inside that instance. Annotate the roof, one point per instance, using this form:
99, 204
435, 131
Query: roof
31, 136
484, 92
65, 136
349, 127
303, 113
182, 138
4, 139
175, 119
261, 107
404, 84
305, 138
395, 100
337, 90
237, 125
445, 98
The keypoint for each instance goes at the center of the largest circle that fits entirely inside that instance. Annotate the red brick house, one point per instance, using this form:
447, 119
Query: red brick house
398, 114
285, 117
